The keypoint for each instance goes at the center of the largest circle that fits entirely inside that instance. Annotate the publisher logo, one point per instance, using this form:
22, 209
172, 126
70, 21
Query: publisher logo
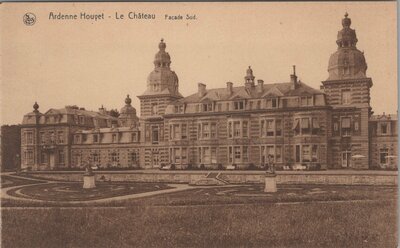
29, 19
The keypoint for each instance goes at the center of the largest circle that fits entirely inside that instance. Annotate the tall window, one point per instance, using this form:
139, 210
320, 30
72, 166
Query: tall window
384, 128
204, 155
155, 135
271, 153
42, 137
133, 158
213, 130
154, 108
95, 157
43, 158
77, 139
52, 137
346, 97
236, 129
95, 138
305, 126
206, 131
29, 138
28, 156
270, 127
114, 157
176, 132
245, 129
61, 157
383, 153
278, 127
114, 138
346, 126
135, 137
183, 131
60, 137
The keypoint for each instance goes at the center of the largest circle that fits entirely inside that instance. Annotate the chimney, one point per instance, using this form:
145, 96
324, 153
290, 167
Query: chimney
293, 78
229, 88
260, 85
201, 89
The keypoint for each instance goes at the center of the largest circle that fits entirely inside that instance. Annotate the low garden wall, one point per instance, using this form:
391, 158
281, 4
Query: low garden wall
243, 177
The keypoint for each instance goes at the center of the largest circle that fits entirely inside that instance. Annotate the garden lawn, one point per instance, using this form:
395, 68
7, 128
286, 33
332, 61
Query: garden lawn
312, 224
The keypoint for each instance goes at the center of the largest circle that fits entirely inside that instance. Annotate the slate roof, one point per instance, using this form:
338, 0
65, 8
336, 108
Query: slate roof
241, 92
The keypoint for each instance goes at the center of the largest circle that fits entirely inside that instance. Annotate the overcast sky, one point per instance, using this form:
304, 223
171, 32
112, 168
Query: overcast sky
90, 63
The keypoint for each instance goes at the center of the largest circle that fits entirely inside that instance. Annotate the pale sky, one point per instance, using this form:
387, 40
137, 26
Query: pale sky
90, 63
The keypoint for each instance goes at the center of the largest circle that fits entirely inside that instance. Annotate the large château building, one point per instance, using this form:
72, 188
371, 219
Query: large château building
248, 125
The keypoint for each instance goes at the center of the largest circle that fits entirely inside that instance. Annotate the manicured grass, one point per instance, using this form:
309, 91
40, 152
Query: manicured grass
75, 192
351, 224
7, 181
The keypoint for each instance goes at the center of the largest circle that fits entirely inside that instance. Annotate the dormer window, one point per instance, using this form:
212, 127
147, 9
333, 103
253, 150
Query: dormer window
207, 107
272, 103
306, 101
178, 109
239, 105
384, 128
81, 120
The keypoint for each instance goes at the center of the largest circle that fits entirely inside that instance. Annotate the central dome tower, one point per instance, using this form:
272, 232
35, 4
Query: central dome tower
347, 62
162, 85
162, 80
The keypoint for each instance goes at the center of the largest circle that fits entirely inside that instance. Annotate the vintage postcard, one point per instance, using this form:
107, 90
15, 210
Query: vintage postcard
229, 124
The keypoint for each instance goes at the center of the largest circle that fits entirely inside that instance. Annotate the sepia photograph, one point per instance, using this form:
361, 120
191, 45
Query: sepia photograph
199, 124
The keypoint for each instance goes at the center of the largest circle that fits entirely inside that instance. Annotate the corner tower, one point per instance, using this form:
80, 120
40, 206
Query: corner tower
347, 90
162, 85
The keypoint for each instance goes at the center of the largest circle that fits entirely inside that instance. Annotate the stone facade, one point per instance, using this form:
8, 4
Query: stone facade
289, 124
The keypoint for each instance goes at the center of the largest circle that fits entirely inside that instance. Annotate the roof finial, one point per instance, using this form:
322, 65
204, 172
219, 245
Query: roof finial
128, 100
162, 44
36, 106
294, 70
346, 14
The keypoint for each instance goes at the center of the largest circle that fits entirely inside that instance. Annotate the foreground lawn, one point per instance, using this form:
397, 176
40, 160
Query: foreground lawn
312, 224
8, 181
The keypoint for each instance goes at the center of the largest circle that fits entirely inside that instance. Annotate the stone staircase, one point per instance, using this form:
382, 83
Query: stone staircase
212, 179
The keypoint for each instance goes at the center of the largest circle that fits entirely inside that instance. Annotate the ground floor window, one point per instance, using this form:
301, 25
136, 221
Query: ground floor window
178, 155
207, 155
76, 159
306, 153
383, 154
61, 157
271, 153
238, 154
28, 156
346, 159
133, 158
43, 158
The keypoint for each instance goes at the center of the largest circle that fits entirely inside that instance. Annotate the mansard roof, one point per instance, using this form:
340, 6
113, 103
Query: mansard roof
243, 92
